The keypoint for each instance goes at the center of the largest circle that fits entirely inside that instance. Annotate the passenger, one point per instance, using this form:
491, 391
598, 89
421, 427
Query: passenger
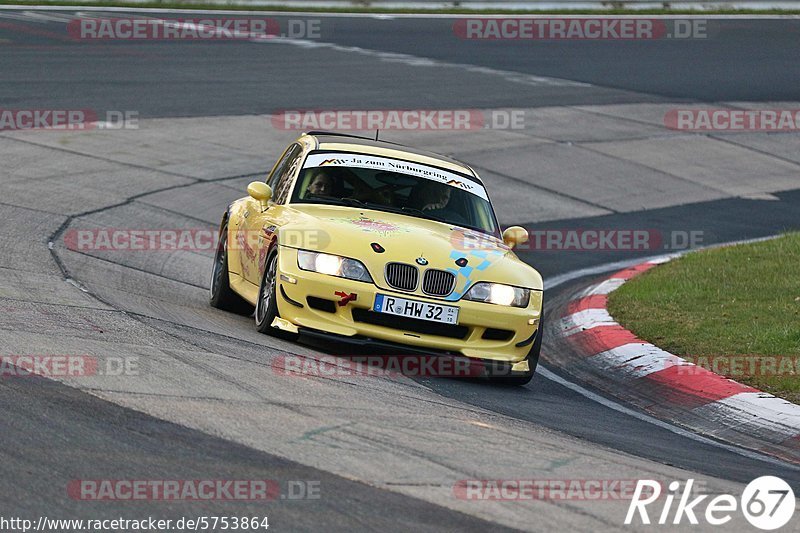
439, 198
430, 196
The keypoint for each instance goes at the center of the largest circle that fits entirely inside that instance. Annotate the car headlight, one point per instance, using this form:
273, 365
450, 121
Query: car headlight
496, 293
333, 265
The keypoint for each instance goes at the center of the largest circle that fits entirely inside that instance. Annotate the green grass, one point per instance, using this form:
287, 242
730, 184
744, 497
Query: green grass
734, 301
373, 9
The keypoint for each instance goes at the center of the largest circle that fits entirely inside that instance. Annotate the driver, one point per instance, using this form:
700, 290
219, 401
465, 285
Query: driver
328, 181
322, 184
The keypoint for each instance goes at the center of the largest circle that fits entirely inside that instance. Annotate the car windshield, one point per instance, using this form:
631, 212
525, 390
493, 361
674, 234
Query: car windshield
417, 191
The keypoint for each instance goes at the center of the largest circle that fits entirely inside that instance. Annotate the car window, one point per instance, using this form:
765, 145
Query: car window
277, 170
377, 188
281, 180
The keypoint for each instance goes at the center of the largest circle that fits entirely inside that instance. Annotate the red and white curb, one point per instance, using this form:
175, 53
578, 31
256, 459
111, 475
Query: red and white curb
692, 395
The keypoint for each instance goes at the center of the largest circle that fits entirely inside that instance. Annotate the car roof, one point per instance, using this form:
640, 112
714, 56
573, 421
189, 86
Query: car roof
326, 140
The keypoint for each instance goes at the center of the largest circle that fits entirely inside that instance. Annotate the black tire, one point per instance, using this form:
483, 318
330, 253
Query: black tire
523, 378
267, 304
222, 296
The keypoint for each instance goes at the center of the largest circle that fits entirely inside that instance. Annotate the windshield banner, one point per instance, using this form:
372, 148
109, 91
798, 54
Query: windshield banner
396, 165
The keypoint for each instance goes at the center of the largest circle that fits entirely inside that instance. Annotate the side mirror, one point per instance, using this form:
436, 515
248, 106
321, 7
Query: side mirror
261, 192
515, 235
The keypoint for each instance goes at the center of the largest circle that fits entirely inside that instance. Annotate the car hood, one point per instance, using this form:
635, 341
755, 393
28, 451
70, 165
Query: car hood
351, 232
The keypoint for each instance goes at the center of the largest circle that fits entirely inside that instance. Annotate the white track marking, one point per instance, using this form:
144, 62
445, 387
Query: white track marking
547, 374
607, 287
765, 410
586, 319
555, 281
698, 16
32, 16
17, 16
637, 360
48, 17
416, 61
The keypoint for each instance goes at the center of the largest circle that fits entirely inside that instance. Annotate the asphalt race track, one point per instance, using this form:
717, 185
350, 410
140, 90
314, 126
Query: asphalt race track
206, 402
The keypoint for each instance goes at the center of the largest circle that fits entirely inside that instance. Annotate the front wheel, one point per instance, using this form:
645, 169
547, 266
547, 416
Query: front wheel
267, 304
523, 378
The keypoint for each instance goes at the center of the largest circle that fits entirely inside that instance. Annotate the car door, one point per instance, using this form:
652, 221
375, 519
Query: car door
260, 225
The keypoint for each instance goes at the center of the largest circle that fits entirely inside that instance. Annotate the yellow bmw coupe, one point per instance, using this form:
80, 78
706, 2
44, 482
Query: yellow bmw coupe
385, 246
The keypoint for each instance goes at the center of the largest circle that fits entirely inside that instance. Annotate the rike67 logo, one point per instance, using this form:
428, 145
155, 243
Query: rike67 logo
767, 502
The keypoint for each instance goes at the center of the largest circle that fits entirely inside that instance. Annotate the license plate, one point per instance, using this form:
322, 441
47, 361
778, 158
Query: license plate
446, 314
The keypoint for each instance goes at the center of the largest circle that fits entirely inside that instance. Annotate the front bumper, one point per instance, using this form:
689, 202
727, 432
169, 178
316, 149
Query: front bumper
309, 300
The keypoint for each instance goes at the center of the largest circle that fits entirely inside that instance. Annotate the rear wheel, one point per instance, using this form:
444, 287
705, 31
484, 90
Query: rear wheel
222, 296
